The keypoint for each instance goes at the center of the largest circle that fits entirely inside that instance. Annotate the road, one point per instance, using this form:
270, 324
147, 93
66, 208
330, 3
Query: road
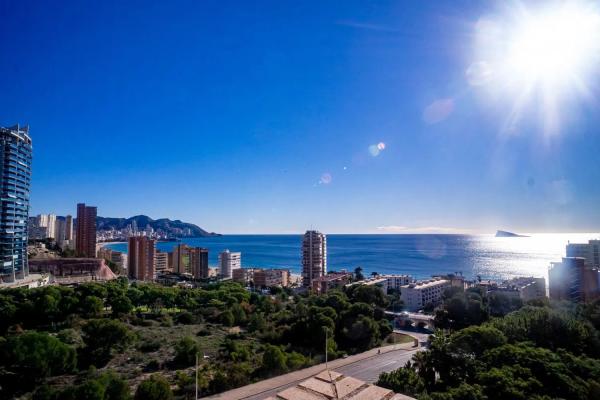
367, 370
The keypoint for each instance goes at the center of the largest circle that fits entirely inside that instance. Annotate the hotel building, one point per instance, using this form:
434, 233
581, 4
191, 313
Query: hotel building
85, 240
419, 294
140, 258
15, 178
199, 262
589, 251
314, 257
161, 262
229, 261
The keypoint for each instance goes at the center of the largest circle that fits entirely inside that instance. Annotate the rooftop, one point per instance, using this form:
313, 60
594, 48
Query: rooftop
426, 284
331, 385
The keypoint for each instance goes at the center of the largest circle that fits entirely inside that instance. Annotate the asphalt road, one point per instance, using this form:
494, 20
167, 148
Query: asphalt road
367, 370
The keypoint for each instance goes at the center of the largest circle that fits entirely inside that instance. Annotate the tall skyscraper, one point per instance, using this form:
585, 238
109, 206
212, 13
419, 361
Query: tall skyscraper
68, 227
85, 241
228, 261
590, 251
314, 257
199, 262
180, 251
15, 178
140, 258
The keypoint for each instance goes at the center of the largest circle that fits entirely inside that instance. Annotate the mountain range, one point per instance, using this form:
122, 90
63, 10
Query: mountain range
176, 228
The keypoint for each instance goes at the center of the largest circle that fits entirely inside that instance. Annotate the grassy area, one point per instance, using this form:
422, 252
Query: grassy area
397, 338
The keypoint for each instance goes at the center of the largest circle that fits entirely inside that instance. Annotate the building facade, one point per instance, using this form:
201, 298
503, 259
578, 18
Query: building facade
228, 261
420, 294
589, 251
15, 181
198, 257
161, 263
314, 257
271, 277
85, 240
572, 280
333, 280
140, 258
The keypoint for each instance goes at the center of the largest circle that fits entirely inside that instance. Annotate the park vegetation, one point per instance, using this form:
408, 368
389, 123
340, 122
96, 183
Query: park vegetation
494, 347
141, 341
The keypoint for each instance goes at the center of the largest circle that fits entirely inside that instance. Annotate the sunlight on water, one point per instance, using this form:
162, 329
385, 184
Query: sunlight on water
521, 256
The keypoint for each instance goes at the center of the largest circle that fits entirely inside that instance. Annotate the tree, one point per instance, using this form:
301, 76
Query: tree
92, 306
39, 354
154, 388
102, 337
121, 305
227, 318
403, 380
185, 351
273, 360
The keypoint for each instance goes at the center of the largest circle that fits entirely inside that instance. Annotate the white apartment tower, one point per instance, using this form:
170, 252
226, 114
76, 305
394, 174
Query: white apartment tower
314, 257
228, 261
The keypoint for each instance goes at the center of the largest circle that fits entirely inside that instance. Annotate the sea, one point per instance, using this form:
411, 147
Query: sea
421, 256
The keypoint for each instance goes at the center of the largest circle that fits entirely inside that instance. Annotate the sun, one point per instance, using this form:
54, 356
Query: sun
542, 60
554, 45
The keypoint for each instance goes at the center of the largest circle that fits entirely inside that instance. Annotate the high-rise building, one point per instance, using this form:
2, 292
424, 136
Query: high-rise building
47, 221
161, 262
314, 257
140, 258
68, 227
572, 280
590, 251
15, 178
85, 240
180, 259
228, 261
199, 262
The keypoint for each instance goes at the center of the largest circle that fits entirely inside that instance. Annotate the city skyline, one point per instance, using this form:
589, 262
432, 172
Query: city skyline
275, 119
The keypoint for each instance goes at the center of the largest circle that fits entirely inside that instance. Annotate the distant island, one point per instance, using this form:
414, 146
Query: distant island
508, 234
174, 229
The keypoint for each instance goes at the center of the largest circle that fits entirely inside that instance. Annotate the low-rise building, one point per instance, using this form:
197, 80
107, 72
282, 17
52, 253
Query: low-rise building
271, 277
419, 294
525, 288
72, 270
333, 280
243, 275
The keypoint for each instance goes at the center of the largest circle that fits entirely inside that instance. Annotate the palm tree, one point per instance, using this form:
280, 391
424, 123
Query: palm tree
374, 274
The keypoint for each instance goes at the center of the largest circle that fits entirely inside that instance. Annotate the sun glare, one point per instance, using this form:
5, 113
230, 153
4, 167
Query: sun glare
542, 59
554, 45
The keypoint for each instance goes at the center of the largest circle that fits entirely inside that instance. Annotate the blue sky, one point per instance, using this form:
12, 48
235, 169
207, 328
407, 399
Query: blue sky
264, 117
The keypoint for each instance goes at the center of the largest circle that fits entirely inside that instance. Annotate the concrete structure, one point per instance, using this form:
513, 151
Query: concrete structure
387, 283
417, 295
333, 280
331, 385
85, 241
180, 258
116, 257
268, 277
525, 288
15, 179
228, 261
47, 221
161, 262
243, 275
69, 228
140, 258
589, 251
572, 280
72, 270
198, 258
314, 257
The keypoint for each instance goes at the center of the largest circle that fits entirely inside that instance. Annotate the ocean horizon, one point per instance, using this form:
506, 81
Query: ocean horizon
419, 255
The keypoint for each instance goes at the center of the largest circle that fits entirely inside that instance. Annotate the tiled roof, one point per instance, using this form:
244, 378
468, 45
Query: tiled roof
331, 385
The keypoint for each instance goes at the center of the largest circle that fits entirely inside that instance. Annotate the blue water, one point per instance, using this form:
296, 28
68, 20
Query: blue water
419, 255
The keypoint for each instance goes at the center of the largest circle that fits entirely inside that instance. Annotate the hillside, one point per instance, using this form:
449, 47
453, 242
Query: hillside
175, 228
